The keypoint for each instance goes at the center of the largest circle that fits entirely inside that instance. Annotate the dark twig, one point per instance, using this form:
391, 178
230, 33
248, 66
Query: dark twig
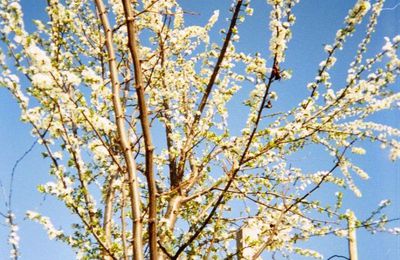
8, 204
338, 256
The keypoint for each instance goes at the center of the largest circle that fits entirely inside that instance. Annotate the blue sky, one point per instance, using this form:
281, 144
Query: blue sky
317, 22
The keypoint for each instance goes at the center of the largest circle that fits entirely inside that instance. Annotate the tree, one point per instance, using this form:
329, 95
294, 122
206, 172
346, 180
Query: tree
131, 108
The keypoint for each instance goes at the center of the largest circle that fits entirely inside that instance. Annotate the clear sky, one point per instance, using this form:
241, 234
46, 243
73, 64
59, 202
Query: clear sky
317, 22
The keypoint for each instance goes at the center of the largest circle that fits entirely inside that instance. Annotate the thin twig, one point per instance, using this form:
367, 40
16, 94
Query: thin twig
13, 173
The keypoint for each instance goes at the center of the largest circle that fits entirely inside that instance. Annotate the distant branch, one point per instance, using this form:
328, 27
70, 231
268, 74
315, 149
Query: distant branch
338, 256
391, 8
13, 172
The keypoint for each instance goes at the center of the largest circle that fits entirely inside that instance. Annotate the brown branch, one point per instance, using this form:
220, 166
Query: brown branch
137, 242
123, 224
76, 158
211, 82
233, 172
108, 209
144, 120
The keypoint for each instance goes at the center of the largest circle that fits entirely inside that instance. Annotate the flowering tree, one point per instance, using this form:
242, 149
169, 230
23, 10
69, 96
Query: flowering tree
131, 108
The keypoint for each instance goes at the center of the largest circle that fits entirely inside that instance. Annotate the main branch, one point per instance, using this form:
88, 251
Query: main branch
123, 138
144, 120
